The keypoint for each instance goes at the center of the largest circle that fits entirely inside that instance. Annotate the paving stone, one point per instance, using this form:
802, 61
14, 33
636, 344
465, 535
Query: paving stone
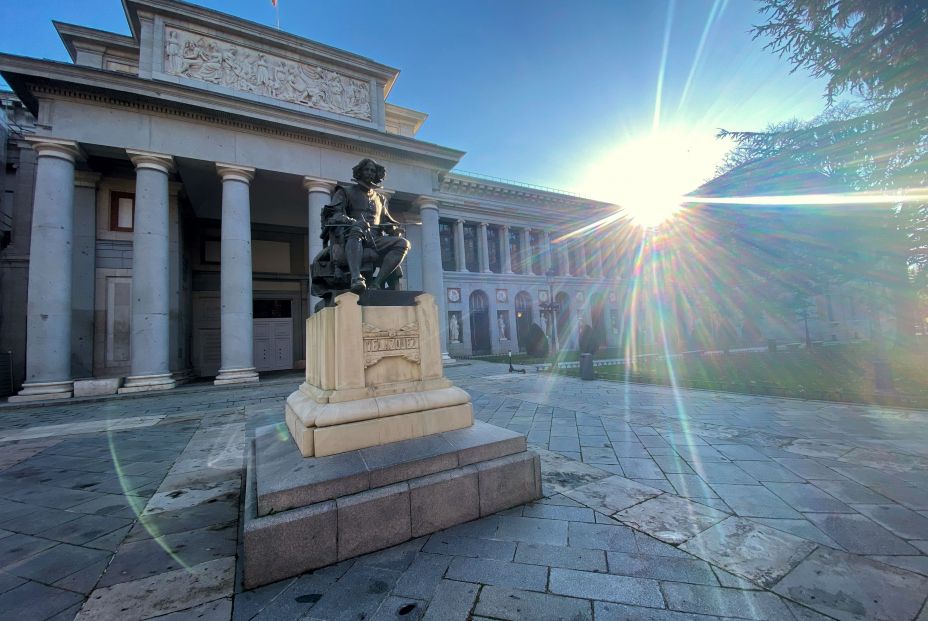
904, 522
846, 586
669, 518
160, 594
558, 473
55, 563
500, 573
607, 587
9, 581
607, 611
516, 605
911, 496
34, 520
672, 464
247, 604
855, 533
85, 528
422, 577
555, 512
750, 550
754, 501
808, 468
629, 449
295, 596
661, 568
560, 556
708, 600
805, 497
442, 543
357, 595
649, 545
190, 518
740, 452
32, 600
533, 530
851, 492
602, 537
612, 494
640, 468
218, 610
918, 564
801, 528
400, 609
109, 541
18, 547
564, 443
150, 557
732, 581
691, 486
765, 471
723, 472
452, 601
86, 579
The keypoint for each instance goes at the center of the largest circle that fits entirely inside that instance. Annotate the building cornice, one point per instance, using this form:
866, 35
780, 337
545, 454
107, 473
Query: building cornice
30, 77
70, 33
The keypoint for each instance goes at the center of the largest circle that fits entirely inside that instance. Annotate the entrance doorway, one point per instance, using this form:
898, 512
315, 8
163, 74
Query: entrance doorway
479, 323
523, 319
273, 335
564, 325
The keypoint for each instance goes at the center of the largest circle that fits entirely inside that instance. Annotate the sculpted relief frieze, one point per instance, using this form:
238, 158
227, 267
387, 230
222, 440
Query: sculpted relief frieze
196, 56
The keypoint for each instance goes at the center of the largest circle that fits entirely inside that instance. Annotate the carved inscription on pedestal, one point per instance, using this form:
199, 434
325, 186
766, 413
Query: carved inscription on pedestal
196, 56
380, 343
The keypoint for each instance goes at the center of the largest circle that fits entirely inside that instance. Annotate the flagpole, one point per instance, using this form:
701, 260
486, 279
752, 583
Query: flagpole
277, 10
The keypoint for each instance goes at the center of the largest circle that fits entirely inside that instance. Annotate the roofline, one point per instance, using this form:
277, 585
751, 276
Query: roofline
70, 32
273, 36
15, 68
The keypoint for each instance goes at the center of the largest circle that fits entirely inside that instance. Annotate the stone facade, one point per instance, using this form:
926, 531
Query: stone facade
163, 197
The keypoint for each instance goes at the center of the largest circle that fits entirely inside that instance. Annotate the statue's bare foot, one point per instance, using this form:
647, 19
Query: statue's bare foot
358, 285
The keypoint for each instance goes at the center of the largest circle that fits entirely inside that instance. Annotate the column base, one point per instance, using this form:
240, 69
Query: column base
183, 376
147, 383
236, 376
41, 391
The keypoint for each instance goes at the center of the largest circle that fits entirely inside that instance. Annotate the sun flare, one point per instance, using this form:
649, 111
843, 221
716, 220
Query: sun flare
647, 176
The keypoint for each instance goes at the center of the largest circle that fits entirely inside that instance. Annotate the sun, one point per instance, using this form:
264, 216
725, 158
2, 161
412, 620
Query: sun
648, 176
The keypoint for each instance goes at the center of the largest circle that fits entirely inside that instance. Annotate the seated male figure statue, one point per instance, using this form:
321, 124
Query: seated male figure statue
358, 231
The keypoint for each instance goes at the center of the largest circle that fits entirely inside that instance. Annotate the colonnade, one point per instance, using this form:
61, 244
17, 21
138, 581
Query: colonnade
590, 259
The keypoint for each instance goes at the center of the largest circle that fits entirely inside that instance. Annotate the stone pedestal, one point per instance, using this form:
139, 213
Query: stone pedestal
382, 447
306, 513
373, 375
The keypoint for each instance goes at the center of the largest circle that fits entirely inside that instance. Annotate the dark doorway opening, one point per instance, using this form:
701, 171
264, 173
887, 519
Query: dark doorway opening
479, 323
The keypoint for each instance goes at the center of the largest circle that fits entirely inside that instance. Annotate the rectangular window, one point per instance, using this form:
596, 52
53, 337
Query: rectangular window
122, 211
555, 251
471, 254
493, 244
573, 259
515, 250
446, 238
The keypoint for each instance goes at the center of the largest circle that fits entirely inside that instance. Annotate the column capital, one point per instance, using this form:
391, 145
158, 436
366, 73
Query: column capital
319, 184
484, 225
55, 147
86, 179
233, 172
426, 202
460, 220
152, 161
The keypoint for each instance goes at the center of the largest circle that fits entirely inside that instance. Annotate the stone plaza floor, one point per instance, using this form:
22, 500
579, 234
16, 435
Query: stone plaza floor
659, 505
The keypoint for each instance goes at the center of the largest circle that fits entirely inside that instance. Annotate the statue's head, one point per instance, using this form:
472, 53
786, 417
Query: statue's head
369, 171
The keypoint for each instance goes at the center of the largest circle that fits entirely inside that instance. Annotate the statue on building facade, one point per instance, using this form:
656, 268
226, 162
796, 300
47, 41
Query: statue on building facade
363, 245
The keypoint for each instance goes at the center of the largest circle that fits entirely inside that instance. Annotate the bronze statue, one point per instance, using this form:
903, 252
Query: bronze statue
363, 245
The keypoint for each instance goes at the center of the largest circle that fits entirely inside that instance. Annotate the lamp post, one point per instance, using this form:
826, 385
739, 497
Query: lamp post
550, 307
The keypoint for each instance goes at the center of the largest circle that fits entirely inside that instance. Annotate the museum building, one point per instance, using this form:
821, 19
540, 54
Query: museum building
162, 203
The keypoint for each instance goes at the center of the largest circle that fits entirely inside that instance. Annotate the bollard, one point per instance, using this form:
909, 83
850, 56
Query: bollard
586, 367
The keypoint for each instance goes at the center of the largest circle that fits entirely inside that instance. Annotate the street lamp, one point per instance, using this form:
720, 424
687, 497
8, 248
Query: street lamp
550, 307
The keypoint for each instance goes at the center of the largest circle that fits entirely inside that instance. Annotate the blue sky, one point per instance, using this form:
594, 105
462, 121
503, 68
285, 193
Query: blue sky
556, 93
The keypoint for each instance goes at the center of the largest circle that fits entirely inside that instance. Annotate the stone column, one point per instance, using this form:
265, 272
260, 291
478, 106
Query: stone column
581, 259
319, 191
83, 273
483, 247
526, 257
235, 319
48, 318
546, 263
507, 251
150, 339
459, 258
433, 279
